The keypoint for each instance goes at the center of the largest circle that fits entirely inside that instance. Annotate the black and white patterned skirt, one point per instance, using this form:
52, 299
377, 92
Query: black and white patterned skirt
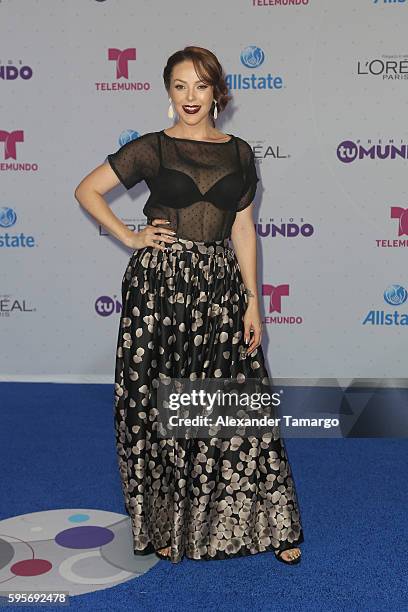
182, 312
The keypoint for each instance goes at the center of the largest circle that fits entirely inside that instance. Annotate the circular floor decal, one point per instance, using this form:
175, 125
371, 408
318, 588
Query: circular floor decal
73, 550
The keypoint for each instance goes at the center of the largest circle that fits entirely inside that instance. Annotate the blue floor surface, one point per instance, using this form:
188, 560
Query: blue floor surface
57, 451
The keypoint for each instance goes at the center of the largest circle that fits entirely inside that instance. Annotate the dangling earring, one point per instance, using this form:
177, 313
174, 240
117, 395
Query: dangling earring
215, 114
170, 112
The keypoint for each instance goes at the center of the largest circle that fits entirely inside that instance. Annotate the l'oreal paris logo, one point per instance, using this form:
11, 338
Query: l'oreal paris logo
392, 68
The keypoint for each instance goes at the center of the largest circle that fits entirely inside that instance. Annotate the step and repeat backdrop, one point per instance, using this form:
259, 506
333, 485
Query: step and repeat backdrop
319, 90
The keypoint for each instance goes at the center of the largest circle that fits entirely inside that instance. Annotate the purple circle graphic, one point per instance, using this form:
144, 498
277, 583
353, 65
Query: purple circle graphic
104, 306
88, 536
347, 151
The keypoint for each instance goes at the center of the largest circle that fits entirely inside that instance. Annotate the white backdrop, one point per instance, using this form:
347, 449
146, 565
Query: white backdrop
337, 86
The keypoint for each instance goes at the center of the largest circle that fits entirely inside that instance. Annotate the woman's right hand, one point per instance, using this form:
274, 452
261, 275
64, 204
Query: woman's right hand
150, 235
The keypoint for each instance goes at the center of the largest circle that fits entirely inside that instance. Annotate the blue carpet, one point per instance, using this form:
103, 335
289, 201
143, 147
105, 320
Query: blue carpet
57, 451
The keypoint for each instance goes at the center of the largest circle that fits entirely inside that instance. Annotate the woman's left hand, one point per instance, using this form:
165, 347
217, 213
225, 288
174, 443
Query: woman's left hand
252, 321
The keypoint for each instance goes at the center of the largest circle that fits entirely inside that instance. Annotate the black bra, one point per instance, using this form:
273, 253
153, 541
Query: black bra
182, 190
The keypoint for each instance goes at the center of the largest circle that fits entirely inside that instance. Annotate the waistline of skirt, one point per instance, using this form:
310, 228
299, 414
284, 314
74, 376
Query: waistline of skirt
205, 247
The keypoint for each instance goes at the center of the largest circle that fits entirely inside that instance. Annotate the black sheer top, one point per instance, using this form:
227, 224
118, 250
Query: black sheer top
198, 186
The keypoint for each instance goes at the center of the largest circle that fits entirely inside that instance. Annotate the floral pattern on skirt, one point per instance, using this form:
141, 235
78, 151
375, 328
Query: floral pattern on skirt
216, 498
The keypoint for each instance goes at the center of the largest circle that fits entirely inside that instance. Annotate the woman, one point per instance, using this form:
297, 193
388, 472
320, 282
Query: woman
190, 305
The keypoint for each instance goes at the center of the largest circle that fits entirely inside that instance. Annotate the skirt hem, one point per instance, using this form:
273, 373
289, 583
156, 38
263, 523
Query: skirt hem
221, 555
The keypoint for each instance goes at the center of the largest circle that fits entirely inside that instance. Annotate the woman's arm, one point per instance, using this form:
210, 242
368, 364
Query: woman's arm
243, 237
89, 194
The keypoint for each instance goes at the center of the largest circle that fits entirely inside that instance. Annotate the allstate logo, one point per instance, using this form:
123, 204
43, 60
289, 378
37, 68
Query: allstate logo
395, 295
127, 136
252, 56
7, 216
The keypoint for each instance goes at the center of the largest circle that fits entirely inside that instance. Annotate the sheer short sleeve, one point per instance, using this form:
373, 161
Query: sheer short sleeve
136, 160
251, 177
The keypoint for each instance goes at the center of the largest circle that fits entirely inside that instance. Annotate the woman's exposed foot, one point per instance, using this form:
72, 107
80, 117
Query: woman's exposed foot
290, 554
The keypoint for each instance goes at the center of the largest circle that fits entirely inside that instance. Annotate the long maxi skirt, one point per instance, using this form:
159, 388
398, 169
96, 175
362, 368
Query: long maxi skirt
182, 312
